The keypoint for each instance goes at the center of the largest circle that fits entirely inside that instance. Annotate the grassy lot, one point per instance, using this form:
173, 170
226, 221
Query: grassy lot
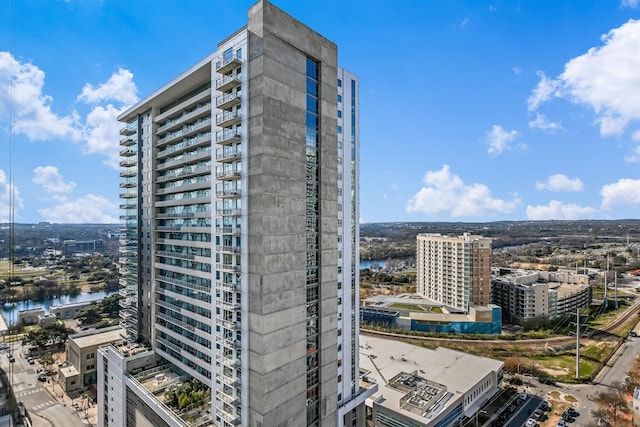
563, 367
402, 306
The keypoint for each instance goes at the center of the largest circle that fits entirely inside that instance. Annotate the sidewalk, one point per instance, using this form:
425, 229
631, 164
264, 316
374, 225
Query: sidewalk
87, 414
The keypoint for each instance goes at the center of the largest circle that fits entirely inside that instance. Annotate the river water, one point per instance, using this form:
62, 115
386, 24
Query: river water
368, 263
10, 310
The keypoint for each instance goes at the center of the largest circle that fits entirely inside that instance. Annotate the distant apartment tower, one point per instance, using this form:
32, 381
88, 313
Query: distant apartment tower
239, 258
454, 271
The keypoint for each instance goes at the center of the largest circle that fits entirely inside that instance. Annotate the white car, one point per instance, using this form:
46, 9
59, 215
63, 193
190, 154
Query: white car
531, 423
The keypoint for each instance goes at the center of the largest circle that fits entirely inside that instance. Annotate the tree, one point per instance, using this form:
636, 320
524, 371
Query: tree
613, 402
111, 305
89, 315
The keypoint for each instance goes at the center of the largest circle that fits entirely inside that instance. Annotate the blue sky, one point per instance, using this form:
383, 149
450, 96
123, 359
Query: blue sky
469, 110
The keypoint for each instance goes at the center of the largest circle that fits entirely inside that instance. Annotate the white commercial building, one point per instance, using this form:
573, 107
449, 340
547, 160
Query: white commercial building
422, 387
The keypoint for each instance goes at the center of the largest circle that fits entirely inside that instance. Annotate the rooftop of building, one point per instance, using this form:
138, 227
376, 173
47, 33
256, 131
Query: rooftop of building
72, 305
96, 337
418, 382
418, 304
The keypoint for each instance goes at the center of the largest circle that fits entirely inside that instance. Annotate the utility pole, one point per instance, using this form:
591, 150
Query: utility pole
577, 343
615, 288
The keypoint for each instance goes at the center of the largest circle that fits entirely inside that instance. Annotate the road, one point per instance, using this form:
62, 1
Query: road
44, 409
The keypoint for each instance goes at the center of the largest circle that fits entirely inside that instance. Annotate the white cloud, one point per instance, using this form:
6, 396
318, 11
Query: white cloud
51, 180
8, 193
120, 88
516, 70
21, 85
542, 122
101, 133
560, 182
605, 79
87, 209
634, 156
446, 194
498, 139
98, 132
558, 210
632, 4
625, 191
545, 90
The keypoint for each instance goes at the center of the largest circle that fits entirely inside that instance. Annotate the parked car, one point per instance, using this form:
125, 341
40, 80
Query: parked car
531, 423
42, 377
11, 358
4, 346
30, 360
572, 412
561, 423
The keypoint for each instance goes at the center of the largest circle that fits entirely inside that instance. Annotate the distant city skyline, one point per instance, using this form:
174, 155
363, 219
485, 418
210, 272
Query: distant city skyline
469, 111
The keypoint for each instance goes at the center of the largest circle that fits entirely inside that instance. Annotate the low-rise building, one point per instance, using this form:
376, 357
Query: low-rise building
424, 387
528, 297
416, 313
30, 316
81, 368
69, 311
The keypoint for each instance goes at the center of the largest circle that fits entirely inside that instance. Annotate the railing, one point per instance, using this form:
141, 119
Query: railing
228, 79
229, 97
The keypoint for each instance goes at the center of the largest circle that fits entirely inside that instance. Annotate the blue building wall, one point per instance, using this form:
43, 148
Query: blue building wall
450, 327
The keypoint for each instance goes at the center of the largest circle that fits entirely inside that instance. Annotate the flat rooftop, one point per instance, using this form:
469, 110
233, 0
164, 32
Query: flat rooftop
418, 382
97, 339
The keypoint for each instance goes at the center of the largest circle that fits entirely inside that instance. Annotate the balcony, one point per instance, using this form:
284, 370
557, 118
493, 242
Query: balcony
226, 175
128, 184
228, 193
228, 155
227, 305
228, 324
227, 249
228, 343
229, 268
175, 123
184, 144
127, 142
234, 420
228, 118
228, 82
233, 401
188, 157
228, 212
231, 363
228, 100
228, 137
187, 130
233, 382
227, 230
128, 163
129, 173
186, 171
129, 129
230, 287
128, 153
225, 65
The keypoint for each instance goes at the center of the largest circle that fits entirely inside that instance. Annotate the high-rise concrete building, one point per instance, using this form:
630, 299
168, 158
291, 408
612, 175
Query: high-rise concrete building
454, 270
240, 250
